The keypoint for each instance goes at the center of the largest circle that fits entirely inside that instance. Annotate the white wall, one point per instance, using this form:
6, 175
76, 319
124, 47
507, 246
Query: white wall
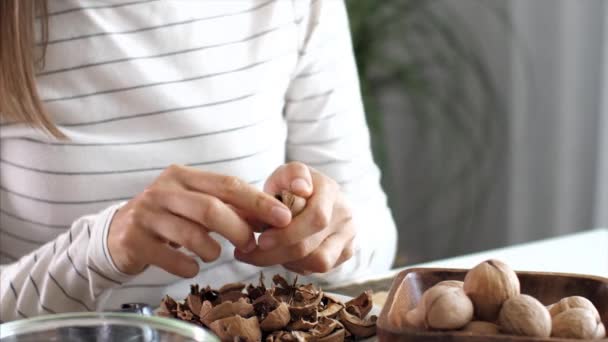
557, 60
601, 219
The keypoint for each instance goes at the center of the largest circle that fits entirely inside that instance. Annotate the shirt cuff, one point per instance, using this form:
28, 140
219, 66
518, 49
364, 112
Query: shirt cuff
99, 255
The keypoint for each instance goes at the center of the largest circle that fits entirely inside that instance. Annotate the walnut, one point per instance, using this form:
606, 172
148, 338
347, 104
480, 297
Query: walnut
525, 315
577, 323
481, 328
601, 331
488, 285
442, 307
452, 283
295, 203
571, 303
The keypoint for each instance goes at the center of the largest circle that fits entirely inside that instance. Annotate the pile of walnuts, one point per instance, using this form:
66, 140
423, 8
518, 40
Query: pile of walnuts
284, 312
489, 302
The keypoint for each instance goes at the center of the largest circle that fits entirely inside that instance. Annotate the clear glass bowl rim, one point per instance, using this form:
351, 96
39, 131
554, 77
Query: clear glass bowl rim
83, 319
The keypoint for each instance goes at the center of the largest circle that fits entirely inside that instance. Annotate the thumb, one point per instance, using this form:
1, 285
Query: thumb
294, 176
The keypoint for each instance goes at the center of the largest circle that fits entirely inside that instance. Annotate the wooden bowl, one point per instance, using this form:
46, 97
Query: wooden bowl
546, 287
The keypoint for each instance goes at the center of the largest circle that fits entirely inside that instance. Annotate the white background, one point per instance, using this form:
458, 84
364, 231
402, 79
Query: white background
559, 98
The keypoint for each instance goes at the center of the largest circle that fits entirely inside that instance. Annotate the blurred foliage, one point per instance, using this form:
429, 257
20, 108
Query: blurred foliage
422, 54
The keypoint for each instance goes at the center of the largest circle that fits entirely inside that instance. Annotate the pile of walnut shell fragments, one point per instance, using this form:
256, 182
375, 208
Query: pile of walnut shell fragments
489, 302
284, 312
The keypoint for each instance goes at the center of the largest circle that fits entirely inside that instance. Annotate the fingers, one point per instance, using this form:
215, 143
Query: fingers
207, 211
171, 260
179, 209
316, 237
297, 270
315, 218
334, 251
294, 176
347, 253
283, 253
330, 253
234, 191
181, 232
255, 224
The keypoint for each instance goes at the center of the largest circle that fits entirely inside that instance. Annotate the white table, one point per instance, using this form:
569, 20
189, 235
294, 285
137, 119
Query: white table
581, 253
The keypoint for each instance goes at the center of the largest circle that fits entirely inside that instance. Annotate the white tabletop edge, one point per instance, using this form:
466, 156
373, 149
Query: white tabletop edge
579, 253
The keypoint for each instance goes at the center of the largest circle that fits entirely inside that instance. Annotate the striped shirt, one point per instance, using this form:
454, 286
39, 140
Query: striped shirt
234, 87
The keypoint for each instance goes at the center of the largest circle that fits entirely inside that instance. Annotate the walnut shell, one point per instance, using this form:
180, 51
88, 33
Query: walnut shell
488, 285
571, 303
525, 315
359, 327
277, 319
246, 329
481, 328
442, 307
577, 323
296, 204
601, 331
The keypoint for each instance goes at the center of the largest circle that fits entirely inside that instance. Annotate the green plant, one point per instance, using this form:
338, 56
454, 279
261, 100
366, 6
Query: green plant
423, 54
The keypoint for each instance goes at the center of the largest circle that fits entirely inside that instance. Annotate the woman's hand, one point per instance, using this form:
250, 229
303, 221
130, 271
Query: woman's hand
180, 208
319, 238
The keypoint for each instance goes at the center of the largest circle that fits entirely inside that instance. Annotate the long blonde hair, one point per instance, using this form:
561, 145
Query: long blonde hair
19, 58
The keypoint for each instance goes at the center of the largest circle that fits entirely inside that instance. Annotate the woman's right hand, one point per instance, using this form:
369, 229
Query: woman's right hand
180, 208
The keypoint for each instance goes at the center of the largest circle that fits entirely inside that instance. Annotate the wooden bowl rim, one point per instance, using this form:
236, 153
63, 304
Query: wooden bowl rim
458, 270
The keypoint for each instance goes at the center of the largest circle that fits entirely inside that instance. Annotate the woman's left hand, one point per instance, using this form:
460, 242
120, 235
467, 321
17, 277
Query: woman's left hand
316, 240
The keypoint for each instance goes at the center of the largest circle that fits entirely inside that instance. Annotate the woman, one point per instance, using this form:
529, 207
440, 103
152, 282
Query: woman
133, 161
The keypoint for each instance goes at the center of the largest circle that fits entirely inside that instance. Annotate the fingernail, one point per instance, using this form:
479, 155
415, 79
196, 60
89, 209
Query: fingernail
266, 242
300, 185
281, 215
250, 247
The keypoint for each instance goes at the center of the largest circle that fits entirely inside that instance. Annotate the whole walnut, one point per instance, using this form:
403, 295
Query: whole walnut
452, 283
481, 328
571, 303
442, 307
601, 331
525, 315
488, 285
577, 323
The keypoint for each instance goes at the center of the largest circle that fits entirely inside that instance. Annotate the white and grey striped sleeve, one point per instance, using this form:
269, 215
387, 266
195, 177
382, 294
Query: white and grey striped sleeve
69, 273
327, 130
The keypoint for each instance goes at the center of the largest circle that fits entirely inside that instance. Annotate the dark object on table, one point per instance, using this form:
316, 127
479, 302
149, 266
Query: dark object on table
546, 287
138, 308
